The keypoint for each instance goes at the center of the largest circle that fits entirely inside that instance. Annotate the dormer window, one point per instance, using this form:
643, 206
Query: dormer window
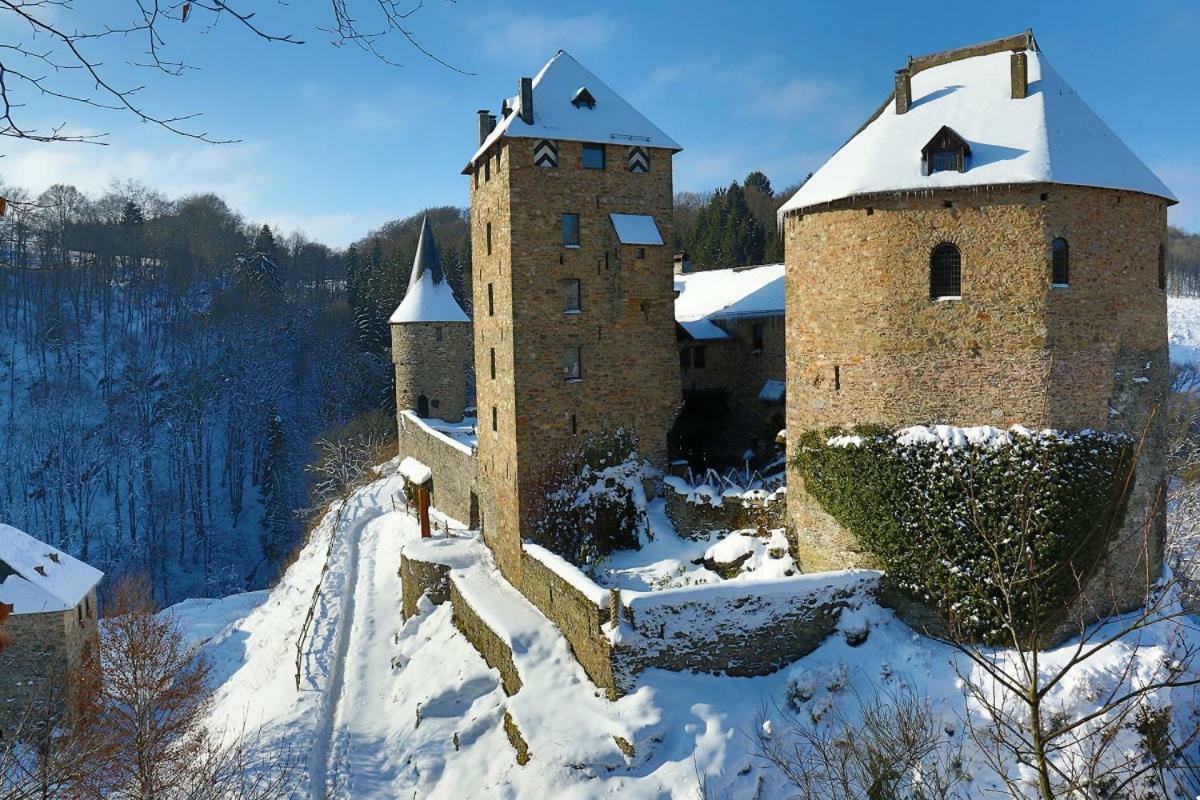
583, 99
945, 152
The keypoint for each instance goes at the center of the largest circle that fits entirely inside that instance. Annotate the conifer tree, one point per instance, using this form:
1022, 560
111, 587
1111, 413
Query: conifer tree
277, 527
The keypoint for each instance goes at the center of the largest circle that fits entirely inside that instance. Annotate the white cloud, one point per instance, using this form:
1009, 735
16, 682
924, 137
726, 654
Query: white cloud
796, 98
336, 228
536, 37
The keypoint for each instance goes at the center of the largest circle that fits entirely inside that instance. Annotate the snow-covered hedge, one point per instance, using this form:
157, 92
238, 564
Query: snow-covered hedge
593, 500
959, 517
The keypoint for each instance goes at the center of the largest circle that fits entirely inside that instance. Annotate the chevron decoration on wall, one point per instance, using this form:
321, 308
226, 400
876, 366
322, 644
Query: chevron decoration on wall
639, 160
545, 153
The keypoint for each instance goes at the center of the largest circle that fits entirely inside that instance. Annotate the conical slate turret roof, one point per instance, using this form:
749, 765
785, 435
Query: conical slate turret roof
1049, 136
429, 297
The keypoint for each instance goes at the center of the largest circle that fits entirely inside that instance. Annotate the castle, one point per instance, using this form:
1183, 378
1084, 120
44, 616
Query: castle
983, 251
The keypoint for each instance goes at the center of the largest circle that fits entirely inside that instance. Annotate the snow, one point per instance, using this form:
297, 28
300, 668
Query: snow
23, 586
414, 471
702, 330
717, 294
636, 229
953, 437
391, 708
1183, 323
568, 572
428, 301
1051, 136
462, 436
554, 117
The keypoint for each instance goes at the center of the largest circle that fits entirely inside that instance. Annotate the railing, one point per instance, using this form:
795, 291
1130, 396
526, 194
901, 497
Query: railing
312, 605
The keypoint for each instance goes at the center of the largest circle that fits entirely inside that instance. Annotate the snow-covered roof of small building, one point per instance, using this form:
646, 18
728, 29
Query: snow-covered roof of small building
727, 293
36, 578
429, 297
636, 229
414, 471
1049, 136
611, 120
702, 330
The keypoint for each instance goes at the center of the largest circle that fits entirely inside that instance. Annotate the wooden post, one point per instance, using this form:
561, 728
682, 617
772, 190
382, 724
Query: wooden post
423, 509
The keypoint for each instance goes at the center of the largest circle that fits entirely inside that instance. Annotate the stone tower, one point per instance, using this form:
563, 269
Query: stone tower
571, 204
431, 339
984, 251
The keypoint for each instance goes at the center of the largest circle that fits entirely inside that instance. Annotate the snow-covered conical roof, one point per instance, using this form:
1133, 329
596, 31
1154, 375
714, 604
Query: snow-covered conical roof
429, 297
36, 578
610, 120
1049, 136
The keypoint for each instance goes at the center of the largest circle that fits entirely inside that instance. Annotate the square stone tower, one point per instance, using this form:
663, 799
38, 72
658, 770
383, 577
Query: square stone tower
571, 213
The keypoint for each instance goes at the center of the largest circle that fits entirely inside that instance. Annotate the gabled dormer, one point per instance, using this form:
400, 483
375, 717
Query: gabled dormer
583, 99
945, 152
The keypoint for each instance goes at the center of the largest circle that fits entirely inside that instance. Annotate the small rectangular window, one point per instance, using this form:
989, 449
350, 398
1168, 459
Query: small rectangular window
1060, 263
494, 426
492, 359
571, 298
574, 425
593, 156
759, 336
491, 301
487, 170
641, 253
437, 332
945, 161
571, 364
698, 357
489, 238
570, 230
837, 378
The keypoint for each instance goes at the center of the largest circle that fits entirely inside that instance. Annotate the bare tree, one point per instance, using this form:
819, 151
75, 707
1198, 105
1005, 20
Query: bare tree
56, 53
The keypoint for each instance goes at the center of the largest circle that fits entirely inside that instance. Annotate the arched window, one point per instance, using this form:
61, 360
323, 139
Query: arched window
945, 272
422, 406
1060, 262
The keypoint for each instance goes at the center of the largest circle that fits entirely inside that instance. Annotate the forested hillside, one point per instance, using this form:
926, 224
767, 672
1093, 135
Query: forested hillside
1183, 262
165, 369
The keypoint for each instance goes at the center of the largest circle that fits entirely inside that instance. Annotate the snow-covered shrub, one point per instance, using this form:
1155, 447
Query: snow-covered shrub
592, 499
960, 518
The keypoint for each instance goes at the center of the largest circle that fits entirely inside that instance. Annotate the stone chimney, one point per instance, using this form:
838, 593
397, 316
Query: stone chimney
1019, 72
903, 90
526, 100
485, 124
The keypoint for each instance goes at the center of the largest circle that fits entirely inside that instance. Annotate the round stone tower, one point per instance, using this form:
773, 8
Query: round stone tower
431, 340
984, 251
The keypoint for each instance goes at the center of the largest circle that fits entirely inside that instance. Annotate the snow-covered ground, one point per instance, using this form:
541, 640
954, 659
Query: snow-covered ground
392, 709
1183, 322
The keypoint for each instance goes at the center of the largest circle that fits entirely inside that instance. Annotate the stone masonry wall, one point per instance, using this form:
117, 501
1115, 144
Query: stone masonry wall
625, 331
45, 649
579, 619
455, 477
1013, 350
432, 359
695, 520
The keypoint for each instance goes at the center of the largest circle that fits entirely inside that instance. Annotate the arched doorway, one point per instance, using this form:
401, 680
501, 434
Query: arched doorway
422, 406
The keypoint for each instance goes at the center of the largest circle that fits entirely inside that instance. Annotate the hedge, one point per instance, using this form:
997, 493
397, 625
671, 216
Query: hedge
958, 526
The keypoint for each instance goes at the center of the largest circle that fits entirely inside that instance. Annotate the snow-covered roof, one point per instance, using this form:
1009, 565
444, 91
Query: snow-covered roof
636, 229
612, 119
414, 471
1050, 136
703, 330
35, 577
429, 297
726, 293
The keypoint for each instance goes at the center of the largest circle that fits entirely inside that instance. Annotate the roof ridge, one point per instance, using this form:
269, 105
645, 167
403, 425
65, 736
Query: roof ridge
1019, 41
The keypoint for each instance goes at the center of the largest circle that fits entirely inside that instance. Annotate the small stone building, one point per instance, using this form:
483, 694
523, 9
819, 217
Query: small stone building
984, 251
50, 627
730, 334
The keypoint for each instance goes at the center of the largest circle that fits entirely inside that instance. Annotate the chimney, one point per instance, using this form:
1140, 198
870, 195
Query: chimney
526, 95
485, 124
505, 109
903, 90
1019, 72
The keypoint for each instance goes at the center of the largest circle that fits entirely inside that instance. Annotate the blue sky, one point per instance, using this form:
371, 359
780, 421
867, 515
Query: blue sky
334, 142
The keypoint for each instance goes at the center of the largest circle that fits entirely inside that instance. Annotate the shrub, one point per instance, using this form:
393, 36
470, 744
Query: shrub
592, 499
942, 517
